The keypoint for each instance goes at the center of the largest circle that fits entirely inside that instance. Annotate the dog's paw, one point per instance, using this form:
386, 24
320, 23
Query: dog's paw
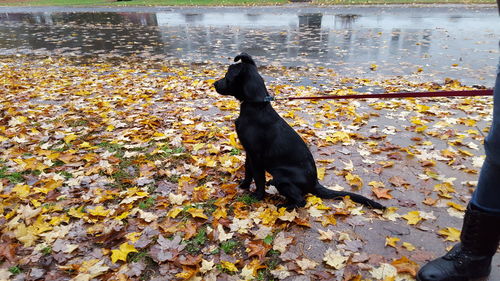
291, 206
257, 195
244, 184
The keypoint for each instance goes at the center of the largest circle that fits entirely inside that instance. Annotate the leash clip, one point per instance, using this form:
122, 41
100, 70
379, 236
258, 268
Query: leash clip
268, 98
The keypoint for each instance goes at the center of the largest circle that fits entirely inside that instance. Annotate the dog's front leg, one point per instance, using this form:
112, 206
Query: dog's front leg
259, 175
245, 184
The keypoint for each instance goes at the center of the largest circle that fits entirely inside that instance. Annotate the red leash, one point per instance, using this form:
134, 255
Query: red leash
465, 93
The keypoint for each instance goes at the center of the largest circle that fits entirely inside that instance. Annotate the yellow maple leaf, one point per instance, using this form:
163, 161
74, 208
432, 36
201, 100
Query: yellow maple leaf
133, 236
376, 184
174, 212
354, 180
452, 234
313, 200
49, 186
444, 189
187, 273
26, 235
197, 213
465, 152
386, 164
31, 164
328, 219
409, 246
456, 206
321, 173
122, 215
122, 252
338, 136
413, 217
469, 122
22, 190
420, 129
59, 219
98, 211
391, 241
228, 266
77, 212
269, 216
220, 213
70, 137
41, 226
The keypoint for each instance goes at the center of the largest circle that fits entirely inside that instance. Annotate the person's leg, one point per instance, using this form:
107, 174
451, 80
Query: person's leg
487, 194
480, 236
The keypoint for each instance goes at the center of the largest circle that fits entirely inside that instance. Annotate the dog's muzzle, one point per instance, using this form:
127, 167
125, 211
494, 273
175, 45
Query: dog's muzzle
219, 86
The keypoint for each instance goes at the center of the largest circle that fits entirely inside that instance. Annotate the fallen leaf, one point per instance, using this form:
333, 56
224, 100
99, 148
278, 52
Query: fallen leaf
335, 259
450, 233
122, 252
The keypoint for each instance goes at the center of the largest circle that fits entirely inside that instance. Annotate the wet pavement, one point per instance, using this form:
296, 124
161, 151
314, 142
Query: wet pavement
427, 42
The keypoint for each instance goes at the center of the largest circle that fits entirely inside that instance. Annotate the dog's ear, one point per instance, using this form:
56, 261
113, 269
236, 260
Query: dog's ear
244, 57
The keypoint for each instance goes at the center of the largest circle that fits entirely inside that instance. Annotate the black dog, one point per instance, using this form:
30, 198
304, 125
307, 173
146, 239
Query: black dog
270, 143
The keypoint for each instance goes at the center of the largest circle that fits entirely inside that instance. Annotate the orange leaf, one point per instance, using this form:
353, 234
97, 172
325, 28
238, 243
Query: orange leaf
258, 248
404, 265
382, 193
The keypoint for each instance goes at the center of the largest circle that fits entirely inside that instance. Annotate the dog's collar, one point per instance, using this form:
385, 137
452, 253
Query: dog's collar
266, 99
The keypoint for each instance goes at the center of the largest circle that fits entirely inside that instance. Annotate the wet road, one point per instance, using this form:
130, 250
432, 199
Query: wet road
423, 43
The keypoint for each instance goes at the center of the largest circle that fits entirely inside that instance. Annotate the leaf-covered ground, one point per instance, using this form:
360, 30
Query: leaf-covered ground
127, 170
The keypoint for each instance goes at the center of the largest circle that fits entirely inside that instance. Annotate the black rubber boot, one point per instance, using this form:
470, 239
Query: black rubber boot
470, 259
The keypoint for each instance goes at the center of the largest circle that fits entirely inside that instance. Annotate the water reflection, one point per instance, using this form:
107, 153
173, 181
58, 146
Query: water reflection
330, 39
345, 21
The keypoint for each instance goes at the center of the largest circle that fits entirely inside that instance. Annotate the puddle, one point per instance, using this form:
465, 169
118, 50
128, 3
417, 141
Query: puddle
422, 42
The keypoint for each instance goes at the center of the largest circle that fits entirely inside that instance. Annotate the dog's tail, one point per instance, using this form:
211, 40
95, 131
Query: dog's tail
325, 193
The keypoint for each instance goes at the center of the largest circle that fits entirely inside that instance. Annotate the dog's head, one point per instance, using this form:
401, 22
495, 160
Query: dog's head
243, 81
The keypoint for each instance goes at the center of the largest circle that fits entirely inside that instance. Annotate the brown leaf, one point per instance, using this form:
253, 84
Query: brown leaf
429, 201
189, 230
351, 273
322, 275
395, 155
189, 260
399, 181
169, 226
422, 256
111, 239
382, 193
302, 222
8, 251
258, 248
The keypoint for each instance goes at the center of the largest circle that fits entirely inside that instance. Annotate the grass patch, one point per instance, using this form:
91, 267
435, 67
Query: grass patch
148, 203
47, 250
385, 2
229, 246
15, 270
247, 199
195, 245
15, 177
136, 257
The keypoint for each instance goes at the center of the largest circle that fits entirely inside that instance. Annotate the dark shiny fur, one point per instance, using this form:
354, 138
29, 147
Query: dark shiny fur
271, 144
